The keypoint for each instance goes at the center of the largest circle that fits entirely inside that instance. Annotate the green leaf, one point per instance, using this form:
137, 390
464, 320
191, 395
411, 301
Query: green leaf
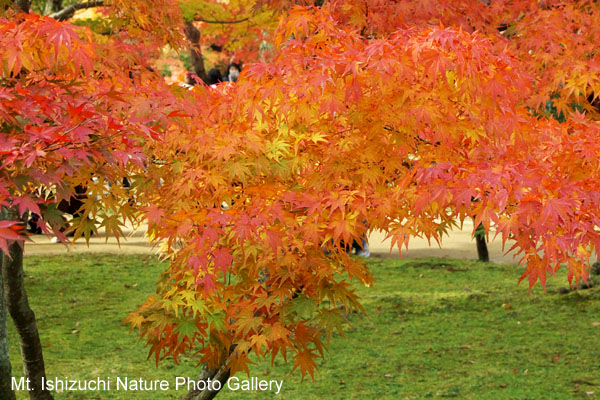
84, 227
330, 320
185, 327
302, 307
215, 320
53, 216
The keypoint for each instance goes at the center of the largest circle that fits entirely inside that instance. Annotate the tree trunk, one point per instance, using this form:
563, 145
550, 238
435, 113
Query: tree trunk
482, 250
6, 391
222, 375
23, 317
193, 36
24, 5
52, 6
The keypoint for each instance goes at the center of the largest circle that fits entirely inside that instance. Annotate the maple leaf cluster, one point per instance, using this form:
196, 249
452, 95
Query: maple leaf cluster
71, 115
402, 116
411, 131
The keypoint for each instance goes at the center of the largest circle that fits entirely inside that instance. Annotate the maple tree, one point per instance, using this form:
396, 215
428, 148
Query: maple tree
383, 116
73, 114
409, 115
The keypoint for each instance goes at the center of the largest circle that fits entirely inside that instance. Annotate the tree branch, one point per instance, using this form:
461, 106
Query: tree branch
237, 21
221, 374
192, 34
53, 6
69, 11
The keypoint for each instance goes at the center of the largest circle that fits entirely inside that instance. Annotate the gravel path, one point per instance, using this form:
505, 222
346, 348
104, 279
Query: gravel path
458, 245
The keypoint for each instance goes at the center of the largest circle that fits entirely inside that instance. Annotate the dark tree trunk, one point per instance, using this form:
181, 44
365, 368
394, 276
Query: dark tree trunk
52, 6
23, 318
24, 5
6, 391
482, 250
193, 36
222, 375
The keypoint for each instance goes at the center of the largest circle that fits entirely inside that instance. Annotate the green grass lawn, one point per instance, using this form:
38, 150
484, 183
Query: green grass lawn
435, 329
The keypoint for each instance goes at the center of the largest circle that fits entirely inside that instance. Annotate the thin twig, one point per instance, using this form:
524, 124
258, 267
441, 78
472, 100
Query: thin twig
237, 21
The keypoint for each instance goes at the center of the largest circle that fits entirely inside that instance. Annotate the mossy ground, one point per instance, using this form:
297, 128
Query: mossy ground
435, 328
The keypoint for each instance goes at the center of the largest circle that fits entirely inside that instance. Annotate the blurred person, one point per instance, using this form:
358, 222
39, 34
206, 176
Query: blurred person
214, 77
233, 72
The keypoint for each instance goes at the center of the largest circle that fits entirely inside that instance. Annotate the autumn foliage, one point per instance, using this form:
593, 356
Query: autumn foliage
403, 116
